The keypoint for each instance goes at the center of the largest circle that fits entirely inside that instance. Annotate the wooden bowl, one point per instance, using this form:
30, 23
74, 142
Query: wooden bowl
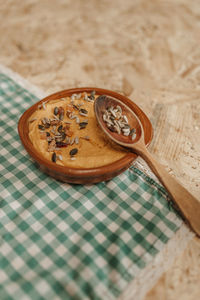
86, 175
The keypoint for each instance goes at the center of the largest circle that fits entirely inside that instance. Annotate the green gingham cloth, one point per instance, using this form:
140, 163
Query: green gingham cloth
62, 241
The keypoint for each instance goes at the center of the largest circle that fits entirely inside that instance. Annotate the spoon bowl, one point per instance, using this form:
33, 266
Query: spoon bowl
102, 104
187, 204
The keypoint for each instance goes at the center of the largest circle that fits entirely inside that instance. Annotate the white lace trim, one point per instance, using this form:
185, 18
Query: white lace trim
147, 277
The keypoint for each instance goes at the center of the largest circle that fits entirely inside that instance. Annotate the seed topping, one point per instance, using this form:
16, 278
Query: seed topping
53, 158
117, 122
74, 151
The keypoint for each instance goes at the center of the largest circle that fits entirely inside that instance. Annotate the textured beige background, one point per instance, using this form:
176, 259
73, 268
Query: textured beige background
149, 50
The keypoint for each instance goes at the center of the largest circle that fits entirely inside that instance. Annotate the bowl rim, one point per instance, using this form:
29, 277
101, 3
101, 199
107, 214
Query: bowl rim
83, 172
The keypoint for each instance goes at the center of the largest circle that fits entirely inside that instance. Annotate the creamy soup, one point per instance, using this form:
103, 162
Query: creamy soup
65, 132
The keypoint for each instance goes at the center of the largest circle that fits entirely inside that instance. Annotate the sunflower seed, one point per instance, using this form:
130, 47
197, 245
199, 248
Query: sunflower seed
72, 116
93, 93
109, 122
60, 157
77, 120
121, 125
32, 120
76, 140
55, 118
126, 130
52, 146
90, 100
83, 111
68, 141
125, 119
104, 117
85, 97
133, 130
75, 106
73, 96
87, 138
73, 158
72, 141
113, 113
133, 136
119, 109
116, 126
43, 105
78, 96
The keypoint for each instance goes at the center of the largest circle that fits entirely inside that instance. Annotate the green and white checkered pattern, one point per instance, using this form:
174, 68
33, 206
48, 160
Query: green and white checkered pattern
61, 241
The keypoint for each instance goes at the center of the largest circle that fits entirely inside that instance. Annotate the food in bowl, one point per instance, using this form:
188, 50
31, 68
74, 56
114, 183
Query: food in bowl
65, 132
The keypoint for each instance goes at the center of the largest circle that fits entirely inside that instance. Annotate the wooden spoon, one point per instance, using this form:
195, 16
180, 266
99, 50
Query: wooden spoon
188, 205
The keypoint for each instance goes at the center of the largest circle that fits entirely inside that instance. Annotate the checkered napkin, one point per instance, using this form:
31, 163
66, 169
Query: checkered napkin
61, 241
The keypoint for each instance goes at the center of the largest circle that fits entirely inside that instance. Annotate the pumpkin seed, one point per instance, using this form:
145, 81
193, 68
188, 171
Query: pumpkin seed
55, 110
61, 116
60, 128
82, 125
74, 151
53, 158
41, 127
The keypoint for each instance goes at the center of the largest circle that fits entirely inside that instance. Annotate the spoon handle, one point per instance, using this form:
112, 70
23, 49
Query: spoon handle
188, 205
